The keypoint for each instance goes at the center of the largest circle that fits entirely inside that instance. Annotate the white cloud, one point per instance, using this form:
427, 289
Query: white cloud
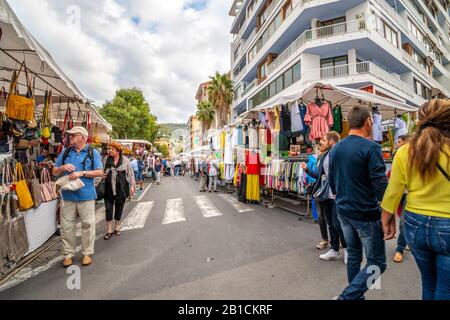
168, 53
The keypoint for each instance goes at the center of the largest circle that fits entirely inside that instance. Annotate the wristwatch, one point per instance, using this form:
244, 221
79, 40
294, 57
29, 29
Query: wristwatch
84, 173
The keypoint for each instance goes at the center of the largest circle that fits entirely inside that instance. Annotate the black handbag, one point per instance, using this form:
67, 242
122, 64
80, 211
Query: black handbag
100, 189
323, 192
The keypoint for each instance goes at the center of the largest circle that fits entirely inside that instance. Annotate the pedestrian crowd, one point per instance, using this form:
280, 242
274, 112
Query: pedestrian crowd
358, 201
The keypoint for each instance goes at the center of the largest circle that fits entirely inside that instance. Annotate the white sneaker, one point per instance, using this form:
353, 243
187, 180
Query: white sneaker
345, 256
330, 255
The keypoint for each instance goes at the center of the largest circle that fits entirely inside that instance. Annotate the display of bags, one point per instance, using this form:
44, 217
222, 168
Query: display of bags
14, 240
48, 187
21, 188
20, 107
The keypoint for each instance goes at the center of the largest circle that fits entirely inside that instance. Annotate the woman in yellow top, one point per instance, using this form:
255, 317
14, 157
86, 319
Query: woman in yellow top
422, 168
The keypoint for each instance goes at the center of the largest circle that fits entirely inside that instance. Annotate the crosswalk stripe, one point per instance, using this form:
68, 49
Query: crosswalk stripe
138, 217
174, 211
99, 216
241, 208
207, 207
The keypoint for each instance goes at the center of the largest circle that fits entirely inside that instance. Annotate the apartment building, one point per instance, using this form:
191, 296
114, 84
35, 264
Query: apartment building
192, 134
395, 48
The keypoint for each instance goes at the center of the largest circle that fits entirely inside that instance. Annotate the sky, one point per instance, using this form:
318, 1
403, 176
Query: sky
166, 48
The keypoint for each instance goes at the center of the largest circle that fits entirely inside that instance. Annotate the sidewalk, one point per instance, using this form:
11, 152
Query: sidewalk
49, 253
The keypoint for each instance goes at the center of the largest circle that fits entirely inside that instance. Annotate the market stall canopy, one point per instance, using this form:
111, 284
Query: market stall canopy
131, 141
18, 45
343, 96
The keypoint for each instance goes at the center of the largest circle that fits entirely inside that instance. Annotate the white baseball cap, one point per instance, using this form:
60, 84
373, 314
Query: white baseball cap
79, 130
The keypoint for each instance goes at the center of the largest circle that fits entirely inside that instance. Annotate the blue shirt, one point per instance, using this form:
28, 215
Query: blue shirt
88, 192
357, 176
135, 166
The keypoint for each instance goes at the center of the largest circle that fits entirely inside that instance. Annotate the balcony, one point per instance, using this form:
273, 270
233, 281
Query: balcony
356, 69
249, 87
314, 34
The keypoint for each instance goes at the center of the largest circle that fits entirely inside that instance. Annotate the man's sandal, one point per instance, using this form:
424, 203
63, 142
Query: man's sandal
108, 236
117, 232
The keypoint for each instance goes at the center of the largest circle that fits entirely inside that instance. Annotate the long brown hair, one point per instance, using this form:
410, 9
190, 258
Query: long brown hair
432, 134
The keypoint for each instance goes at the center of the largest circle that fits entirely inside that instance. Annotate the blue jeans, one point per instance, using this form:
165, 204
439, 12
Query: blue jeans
429, 240
177, 171
401, 241
359, 235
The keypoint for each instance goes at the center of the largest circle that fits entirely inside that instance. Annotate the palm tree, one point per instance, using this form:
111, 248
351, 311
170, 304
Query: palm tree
205, 113
220, 94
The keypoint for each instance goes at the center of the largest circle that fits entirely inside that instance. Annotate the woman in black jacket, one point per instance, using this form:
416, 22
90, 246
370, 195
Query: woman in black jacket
120, 184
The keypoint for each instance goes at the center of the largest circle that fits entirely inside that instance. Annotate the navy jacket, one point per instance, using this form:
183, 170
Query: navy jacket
358, 178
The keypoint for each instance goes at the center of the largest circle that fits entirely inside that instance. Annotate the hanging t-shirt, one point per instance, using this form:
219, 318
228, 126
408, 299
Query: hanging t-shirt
377, 128
302, 109
296, 120
337, 119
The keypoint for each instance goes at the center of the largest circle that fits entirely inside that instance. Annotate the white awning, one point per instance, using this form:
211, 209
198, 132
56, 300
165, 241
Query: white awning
18, 45
345, 97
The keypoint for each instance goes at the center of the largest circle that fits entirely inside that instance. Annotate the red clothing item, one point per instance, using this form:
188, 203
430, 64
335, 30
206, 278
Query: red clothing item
252, 162
320, 119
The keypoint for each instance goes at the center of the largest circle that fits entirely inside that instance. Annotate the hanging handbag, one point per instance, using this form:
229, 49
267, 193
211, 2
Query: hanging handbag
68, 124
323, 192
35, 186
19, 107
48, 187
22, 191
46, 130
17, 232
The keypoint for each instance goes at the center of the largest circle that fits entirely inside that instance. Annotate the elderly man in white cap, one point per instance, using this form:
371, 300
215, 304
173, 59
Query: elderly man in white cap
79, 161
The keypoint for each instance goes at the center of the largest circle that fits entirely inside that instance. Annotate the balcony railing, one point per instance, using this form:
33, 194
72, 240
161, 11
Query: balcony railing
357, 69
249, 87
317, 33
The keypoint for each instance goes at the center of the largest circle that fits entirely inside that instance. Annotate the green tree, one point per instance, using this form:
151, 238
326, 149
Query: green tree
220, 94
130, 116
163, 149
205, 113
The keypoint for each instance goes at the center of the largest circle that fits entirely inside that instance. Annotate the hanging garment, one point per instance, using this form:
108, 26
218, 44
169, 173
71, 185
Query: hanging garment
319, 118
302, 108
262, 117
400, 129
337, 119
253, 137
345, 130
239, 136
236, 172
285, 121
296, 120
229, 172
377, 129
246, 136
222, 140
242, 191
252, 162
228, 149
252, 190
270, 120
277, 126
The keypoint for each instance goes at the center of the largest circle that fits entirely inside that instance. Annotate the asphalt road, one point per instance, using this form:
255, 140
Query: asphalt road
183, 247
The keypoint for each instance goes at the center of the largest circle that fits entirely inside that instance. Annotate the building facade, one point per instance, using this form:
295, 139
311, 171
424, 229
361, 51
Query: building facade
396, 48
192, 135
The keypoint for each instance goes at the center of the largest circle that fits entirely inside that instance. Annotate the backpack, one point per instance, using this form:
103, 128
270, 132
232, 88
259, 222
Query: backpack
90, 155
141, 165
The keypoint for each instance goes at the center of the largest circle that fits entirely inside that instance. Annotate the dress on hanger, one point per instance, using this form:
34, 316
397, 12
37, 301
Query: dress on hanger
337, 119
270, 120
285, 120
319, 119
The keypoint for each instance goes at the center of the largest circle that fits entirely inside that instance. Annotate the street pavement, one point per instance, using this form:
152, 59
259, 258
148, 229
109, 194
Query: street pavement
178, 243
